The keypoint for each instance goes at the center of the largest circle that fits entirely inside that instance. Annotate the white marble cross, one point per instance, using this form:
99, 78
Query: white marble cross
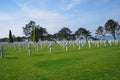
37, 46
29, 49
20, 47
79, 45
51, 46
89, 44
98, 44
66, 46
14, 46
110, 42
104, 43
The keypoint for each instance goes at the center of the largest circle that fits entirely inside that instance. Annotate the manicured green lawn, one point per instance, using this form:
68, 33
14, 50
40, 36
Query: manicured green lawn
86, 64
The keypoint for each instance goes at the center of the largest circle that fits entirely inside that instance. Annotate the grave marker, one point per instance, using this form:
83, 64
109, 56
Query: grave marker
89, 44
51, 46
14, 47
2, 52
66, 46
20, 47
98, 44
79, 45
104, 43
29, 49
37, 47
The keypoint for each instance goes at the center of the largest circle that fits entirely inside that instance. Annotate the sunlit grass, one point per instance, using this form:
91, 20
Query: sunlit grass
101, 63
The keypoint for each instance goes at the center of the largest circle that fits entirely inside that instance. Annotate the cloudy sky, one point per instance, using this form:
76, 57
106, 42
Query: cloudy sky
55, 14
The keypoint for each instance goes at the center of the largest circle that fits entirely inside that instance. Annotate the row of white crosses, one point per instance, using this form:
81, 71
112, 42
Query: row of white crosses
80, 44
42, 44
103, 42
20, 45
64, 44
50, 44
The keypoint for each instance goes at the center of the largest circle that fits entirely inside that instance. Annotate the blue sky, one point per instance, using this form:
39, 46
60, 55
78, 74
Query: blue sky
55, 14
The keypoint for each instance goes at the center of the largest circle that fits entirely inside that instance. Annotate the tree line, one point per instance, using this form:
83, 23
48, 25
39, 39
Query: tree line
35, 32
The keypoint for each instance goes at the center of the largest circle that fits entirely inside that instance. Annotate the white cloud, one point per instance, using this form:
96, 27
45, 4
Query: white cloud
36, 13
51, 20
54, 20
73, 3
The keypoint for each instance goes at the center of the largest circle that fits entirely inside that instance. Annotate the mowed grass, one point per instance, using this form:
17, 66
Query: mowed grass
101, 63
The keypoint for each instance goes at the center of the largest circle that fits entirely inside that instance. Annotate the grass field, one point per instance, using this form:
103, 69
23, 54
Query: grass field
86, 64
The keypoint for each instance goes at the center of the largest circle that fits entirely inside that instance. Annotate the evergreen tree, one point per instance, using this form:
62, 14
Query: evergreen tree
35, 37
10, 37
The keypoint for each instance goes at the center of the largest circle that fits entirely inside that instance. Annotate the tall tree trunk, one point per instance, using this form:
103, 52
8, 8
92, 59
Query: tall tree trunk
114, 36
86, 39
103, 36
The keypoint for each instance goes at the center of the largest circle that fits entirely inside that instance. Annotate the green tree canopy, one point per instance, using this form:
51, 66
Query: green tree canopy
100, 31
35, 36
27, 30
83, 32
42, 33
64, 33
112, 27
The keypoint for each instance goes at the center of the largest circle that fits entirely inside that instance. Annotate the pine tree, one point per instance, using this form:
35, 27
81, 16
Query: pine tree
35, 37
10, 37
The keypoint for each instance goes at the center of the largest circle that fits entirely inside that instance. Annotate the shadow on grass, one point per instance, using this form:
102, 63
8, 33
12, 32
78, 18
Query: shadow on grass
38, 54
11, 57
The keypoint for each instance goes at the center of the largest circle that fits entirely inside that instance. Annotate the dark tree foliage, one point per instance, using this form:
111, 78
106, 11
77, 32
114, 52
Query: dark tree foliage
64, 33
83, 32
49, 37
27, 30
72, 37
10, 39
112, 27
100, 31
18, 39
42, 33
4, 40
55, 36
